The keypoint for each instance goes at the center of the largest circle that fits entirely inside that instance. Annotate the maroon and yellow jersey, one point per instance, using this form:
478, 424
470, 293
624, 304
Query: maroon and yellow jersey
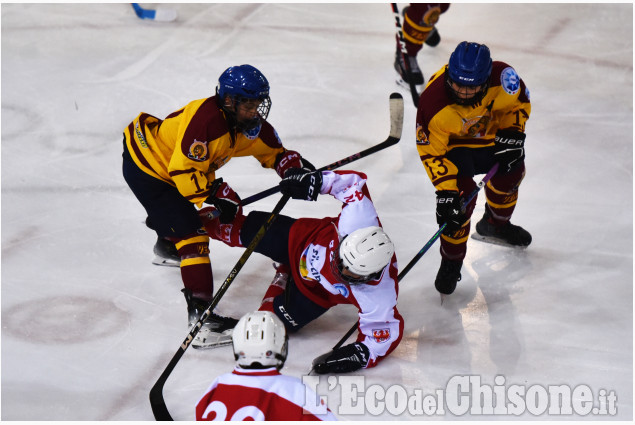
189, 145
443, 125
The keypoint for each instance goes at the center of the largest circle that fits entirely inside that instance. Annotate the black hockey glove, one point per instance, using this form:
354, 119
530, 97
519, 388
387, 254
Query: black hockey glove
226, 201
449, 211
510, 148
300, 184
348, 358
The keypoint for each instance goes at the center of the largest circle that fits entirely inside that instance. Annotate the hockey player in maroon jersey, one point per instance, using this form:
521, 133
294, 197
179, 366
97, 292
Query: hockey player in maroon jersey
472, 115
347, 259
170, 166
419, 27
256, 390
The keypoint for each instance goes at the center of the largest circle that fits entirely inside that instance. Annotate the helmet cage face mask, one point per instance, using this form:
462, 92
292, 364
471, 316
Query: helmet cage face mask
455, 95
242, 84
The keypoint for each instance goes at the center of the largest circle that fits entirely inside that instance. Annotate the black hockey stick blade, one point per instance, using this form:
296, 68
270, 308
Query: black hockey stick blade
396, 127
427, 245
157, 402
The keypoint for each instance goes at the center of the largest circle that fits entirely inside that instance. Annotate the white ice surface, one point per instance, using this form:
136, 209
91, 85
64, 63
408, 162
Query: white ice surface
88, 324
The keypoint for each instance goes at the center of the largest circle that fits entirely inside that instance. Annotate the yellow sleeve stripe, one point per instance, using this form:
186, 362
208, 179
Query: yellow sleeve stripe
416, 26
193, 240
194, 261
448, 239
500, 206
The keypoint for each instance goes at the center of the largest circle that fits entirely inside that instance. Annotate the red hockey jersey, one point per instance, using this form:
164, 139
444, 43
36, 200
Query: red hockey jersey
314, 242
259, 395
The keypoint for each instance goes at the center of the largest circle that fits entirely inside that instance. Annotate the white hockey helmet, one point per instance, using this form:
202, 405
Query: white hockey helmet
365, 252
260, 341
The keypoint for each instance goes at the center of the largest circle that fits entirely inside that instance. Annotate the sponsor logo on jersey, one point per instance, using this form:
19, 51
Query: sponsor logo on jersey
381, 335
198, 151
422, 137
307, 271
142, 139
342, 289
510, 80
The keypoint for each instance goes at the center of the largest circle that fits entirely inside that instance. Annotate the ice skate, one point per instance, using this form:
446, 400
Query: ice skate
433, 38
506, 235
216, 330
166, 254
415, 71
448, 276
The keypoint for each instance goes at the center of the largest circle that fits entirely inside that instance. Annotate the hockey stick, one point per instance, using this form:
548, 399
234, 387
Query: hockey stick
159, 408
396, 125
160, 14
404, 55
157, 402
428, 244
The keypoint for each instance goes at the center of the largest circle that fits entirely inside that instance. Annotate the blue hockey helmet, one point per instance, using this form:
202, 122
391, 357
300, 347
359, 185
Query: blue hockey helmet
470, 65
243, 83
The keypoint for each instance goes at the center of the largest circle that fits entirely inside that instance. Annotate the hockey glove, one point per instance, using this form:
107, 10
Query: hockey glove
510, 148
449, 211
348, 358
226, 201
291, 159
300, 184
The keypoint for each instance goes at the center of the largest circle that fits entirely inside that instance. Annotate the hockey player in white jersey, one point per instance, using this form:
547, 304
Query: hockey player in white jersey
256, 390
347, 259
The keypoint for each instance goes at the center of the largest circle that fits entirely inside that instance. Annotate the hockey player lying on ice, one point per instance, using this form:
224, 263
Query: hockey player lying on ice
346, 259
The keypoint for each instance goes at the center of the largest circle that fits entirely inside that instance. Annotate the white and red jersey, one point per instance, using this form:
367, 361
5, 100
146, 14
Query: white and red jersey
314, 242
259, 395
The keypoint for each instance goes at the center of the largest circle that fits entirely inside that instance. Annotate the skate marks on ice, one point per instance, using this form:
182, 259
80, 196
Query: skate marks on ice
476, 328
64, 320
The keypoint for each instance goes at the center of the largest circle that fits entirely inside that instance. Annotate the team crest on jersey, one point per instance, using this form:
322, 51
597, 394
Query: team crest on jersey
198, 151
422, 137
510, 80
475, 127
381, 335
342, 289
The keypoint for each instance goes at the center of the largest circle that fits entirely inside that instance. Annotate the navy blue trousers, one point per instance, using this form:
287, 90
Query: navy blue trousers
169, 213
293, 308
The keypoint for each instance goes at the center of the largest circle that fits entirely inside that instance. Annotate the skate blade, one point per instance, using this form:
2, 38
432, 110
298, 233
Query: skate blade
496, 241
213, 342
401, 83
210, 346
159, 261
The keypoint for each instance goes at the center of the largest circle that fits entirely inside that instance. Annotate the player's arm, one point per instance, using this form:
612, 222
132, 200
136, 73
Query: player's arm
270, 152
432, 145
